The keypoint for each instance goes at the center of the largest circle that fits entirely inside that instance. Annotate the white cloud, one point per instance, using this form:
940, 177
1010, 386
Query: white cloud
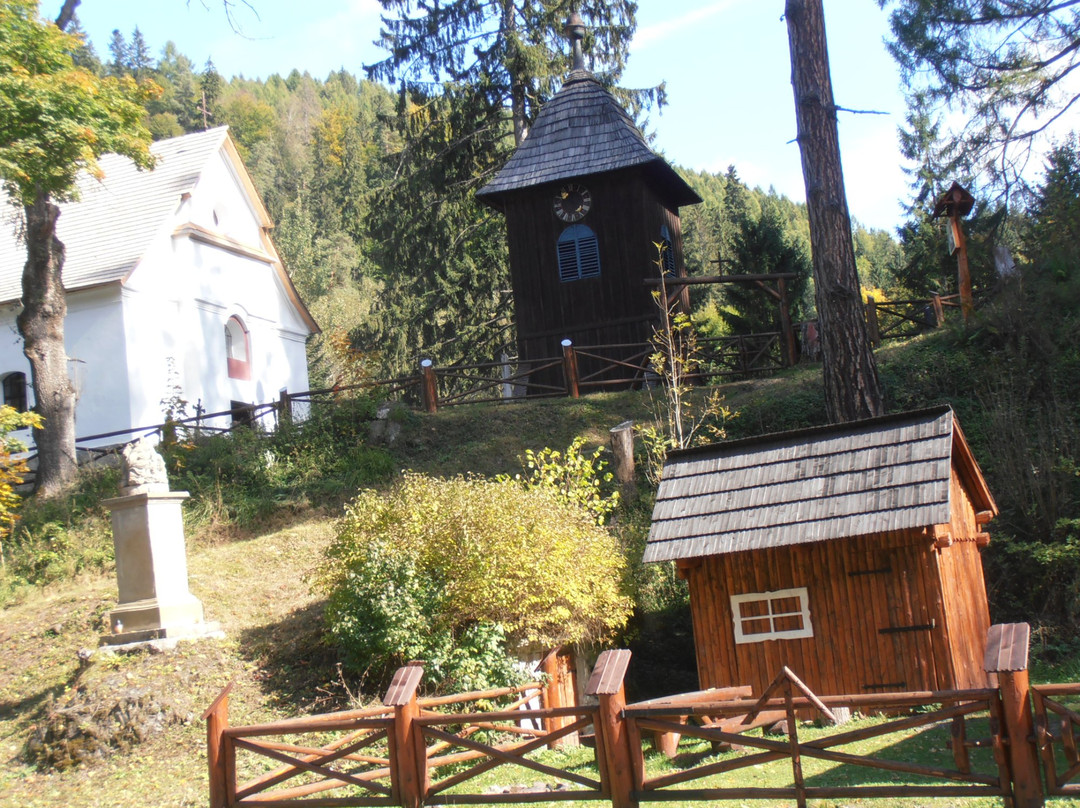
644, 37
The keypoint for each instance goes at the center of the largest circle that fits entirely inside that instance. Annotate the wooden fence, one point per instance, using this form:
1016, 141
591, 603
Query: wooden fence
434, 388
901, 319
624, 365
411, 751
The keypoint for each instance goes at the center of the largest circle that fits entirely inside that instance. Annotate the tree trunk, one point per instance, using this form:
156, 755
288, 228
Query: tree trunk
41, 324
508, 28
852, 389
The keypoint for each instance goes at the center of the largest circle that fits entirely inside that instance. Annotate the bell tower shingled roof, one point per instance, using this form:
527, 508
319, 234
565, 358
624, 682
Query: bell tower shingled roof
583, 130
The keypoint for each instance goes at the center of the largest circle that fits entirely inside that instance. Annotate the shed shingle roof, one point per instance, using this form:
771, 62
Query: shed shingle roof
583, 130
833, 482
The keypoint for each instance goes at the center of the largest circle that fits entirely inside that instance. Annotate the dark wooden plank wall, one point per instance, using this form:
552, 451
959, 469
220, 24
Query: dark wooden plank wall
847, 653
613, 308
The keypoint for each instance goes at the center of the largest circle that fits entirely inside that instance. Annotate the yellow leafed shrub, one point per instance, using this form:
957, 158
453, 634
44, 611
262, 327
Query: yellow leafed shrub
455, 571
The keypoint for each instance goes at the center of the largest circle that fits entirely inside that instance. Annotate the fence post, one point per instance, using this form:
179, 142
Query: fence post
619, 762
217, 721
1007, 657
787, 332
622, 447
408, 756
939, 312
570, 369
429, 390
285, 407
552, 696
872, 330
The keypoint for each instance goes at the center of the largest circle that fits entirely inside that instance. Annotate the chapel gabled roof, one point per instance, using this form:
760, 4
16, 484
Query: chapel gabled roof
826, 483
583, 130
109, 228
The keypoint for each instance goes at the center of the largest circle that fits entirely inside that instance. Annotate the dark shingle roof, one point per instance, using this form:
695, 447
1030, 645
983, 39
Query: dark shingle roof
833, 482
581, 131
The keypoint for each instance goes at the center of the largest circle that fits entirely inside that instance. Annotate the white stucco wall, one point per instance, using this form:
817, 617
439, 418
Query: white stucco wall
95, 343
196, 287
165, 324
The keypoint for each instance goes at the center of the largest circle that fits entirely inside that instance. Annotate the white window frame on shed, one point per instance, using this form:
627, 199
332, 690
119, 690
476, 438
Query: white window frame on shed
771, 615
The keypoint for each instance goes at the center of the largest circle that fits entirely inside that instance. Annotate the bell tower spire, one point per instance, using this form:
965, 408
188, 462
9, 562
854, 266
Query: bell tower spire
575, 31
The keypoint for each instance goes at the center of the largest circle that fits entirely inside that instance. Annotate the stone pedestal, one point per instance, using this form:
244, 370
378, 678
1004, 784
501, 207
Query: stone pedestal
151, 571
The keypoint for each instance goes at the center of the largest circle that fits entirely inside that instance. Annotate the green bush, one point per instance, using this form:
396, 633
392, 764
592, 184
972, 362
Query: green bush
244, 477
59, 537
576, 479
460, 571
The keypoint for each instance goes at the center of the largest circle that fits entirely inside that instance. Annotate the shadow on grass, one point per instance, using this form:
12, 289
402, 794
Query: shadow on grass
929, 747
297, 664
31, 707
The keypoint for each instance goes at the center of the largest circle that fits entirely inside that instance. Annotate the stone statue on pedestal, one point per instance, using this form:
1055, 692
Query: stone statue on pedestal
143, 468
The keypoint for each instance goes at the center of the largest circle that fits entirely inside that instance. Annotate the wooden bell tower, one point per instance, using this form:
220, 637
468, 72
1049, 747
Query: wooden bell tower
586, 201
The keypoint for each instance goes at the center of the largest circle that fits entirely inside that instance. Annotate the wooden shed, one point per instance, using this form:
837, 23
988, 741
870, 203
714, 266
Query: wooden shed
849, 553
585, 200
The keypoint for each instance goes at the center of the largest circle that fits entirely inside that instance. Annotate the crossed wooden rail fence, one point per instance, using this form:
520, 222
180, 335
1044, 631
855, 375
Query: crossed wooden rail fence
412, 751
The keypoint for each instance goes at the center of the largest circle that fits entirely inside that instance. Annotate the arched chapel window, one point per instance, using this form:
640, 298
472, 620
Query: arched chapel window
237, 349
579, 254
14, 387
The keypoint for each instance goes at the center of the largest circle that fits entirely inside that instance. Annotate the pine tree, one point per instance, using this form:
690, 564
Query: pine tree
511, 51
210, 87
139, 59
1055, 232
120, 53
763, 244
444, 254
1003, 65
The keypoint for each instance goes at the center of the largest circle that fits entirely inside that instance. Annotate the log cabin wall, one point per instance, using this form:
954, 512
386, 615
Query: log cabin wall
856, 587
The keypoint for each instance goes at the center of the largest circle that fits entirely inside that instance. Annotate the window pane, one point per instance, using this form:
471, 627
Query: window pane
758, 626
792, 622
754, 608
786, 606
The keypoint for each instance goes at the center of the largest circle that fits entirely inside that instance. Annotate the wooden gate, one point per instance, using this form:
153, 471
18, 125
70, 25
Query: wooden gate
1057, 724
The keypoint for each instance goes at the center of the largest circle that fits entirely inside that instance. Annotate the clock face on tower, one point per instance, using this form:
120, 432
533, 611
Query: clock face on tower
572, 202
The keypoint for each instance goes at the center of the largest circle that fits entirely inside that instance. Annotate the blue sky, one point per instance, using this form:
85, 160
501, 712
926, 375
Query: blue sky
725, 63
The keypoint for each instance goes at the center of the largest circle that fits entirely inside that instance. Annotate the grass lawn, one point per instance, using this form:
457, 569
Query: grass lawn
275, 651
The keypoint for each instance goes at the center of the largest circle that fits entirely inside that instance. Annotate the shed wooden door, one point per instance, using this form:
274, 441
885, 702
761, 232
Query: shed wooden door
910, 624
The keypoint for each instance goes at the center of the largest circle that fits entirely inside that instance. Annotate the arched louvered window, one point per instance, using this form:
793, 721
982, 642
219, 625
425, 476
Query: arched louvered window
237, 349
14, 385
668, 257
579, 254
